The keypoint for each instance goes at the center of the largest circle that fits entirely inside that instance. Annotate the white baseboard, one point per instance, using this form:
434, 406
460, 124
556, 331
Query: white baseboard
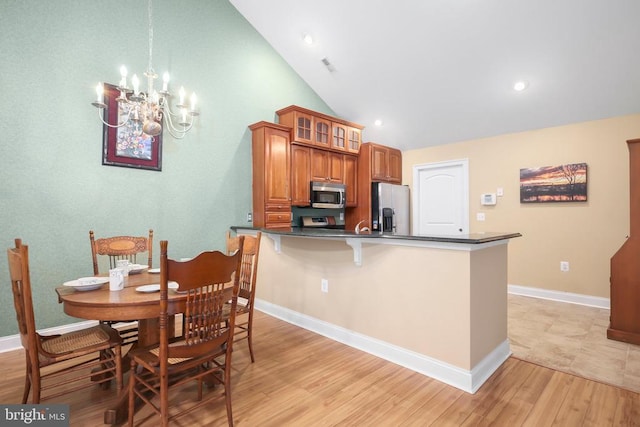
468, 381
567, 297
12, 342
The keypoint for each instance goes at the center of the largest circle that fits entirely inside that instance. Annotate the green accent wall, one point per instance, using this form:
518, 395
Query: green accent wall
53, 186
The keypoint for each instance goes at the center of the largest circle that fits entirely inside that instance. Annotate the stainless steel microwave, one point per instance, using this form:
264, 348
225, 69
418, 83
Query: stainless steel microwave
327, 195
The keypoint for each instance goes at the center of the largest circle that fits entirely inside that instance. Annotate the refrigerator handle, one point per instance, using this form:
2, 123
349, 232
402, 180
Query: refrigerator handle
393, 221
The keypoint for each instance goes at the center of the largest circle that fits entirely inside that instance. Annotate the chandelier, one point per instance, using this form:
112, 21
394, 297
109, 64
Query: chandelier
147, 112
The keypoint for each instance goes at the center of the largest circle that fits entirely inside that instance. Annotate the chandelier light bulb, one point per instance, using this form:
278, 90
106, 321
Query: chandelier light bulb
165, 82
100, 93
123, 75
181, 93
193, 101
136, 84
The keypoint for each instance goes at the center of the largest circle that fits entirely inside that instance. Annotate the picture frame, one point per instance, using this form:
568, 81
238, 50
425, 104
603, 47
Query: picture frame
554, 184
127, 146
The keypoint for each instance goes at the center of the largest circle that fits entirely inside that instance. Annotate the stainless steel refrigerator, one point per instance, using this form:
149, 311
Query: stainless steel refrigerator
390, 208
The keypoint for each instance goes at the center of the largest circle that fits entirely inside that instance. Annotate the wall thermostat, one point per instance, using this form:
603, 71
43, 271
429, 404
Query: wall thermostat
488, 199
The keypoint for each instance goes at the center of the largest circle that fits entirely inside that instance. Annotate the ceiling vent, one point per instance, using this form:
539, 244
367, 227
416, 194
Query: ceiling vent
328, 64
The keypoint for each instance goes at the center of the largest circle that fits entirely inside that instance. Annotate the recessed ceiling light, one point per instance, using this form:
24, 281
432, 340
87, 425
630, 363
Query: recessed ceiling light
378, 122
307, 39
520, 86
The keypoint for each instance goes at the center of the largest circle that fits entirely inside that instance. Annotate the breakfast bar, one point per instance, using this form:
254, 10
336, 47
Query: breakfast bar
434, 304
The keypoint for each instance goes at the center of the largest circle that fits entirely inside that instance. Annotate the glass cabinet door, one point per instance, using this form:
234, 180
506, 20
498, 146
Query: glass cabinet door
339, 136
323, 133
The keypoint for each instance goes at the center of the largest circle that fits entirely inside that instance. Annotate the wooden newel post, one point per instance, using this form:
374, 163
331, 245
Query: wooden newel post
625, 265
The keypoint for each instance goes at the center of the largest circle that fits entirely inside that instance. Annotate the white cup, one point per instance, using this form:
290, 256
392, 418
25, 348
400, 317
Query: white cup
116, 279
124, 265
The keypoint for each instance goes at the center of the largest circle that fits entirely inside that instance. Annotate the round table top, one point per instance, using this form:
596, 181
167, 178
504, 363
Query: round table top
127, 304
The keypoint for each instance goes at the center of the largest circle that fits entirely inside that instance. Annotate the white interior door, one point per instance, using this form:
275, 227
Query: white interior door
441, 198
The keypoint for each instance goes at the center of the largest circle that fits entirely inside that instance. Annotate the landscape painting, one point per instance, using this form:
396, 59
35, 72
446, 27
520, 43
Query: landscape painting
565, 183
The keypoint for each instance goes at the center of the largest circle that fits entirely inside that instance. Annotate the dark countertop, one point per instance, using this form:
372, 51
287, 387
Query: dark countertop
472, 238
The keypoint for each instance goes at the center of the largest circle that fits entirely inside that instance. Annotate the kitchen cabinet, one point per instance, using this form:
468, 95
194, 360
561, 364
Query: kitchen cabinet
320, 130
376, 163
386, 164
271, 160
310, 164
327, 166
302, 125
351, 180
300, 175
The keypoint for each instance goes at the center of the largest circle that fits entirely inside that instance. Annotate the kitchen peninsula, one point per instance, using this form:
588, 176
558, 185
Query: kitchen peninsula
434, 304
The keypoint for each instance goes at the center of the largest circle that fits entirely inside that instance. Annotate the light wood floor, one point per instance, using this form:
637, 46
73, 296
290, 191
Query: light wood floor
303, 379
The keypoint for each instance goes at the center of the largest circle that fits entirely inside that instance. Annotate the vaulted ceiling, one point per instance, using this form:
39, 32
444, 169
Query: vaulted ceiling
441, 71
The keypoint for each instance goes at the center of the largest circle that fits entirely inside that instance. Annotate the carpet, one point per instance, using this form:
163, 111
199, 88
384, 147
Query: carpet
571, 338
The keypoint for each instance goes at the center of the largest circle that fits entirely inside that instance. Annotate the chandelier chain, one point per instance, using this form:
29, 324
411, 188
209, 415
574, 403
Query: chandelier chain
150, 67
150, 38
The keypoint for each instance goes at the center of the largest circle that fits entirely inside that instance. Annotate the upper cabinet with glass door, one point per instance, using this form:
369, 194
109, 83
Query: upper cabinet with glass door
323, 132
354, 139
339, 136
320, 130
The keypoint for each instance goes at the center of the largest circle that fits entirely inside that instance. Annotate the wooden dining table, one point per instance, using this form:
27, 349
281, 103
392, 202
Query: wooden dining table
127, 304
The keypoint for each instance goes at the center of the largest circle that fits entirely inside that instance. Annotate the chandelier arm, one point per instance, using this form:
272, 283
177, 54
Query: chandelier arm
166, 106
172, 128
119, 125
176, 136
173, 131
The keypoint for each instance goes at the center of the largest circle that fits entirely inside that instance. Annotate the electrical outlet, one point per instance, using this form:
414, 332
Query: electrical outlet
564, 266
480, 216
324, 285
249, 217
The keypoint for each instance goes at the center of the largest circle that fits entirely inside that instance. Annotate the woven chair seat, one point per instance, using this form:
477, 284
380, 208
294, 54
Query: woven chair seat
74, 341
171, 360
240, 309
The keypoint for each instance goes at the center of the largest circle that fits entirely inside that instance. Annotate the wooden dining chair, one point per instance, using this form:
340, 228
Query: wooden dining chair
120, 247
117, 248
92, 355
247, 292
203, 351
